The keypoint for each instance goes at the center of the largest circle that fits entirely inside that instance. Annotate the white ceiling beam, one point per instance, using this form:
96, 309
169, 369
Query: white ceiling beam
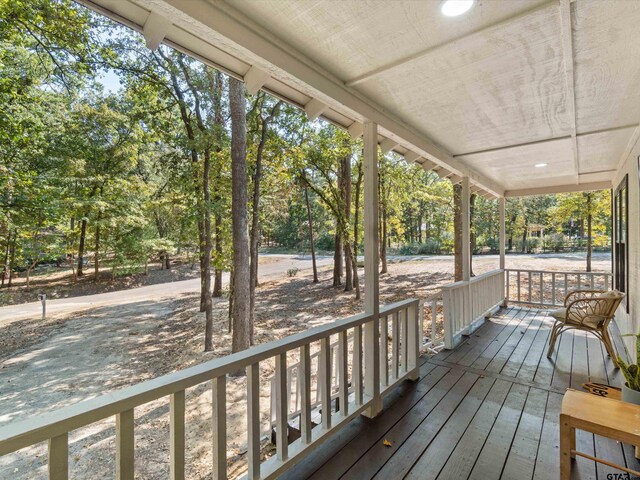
423, 53
254, 79
356, 129
314, 108
155, 29
388, 144
544, 140
584, 187
567, 55
222, 25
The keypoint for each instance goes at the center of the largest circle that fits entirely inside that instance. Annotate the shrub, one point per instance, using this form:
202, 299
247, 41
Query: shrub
554, 242
292, 272
532, 244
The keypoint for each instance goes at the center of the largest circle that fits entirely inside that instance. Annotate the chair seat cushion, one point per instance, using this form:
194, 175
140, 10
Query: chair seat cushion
561, 316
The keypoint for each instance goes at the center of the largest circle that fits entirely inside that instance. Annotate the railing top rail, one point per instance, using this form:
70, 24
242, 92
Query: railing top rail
23, 433
461, 283
484, 275
557, 272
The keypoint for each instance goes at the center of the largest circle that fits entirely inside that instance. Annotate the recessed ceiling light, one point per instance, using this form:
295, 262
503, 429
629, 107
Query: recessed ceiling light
540, 165
453, 8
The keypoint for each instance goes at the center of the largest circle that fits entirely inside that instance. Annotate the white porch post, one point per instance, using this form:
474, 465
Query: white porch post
371, 286
502, 203
466, 231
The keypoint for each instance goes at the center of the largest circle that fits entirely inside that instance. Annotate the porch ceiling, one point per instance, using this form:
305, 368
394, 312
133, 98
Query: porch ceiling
489, 94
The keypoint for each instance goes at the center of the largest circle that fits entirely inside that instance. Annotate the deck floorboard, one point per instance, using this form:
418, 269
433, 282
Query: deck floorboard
486, 410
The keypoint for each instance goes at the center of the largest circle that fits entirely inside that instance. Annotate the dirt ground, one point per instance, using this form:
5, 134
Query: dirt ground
76, 357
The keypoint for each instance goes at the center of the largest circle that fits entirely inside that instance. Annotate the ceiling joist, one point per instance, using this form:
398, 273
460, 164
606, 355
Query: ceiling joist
254, 79
387, 144
315, 108
155, 29
567, 54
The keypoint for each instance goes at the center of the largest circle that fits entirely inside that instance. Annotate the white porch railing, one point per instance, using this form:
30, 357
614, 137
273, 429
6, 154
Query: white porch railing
395, 363
398, 357
548, 289
467, 303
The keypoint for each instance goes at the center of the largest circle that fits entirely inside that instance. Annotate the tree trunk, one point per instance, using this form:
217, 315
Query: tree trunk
5, 261
457, 231
242, 328
96, 253
201, 246
83, 234
337, 258
589, 232
206, 252
525, 231
217, 283
310, 222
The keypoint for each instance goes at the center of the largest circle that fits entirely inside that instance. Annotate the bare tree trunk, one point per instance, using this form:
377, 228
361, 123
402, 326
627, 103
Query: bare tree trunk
310, 222
242, 328
5, 261
457, 231
525, 230
206, 253
217, 283
337, 258
96, 253
201, 244
83, 234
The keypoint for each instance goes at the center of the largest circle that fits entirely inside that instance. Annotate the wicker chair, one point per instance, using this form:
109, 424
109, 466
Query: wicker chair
587, 310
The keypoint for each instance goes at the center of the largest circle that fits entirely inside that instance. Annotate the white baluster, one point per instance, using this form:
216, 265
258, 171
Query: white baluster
357, 364
343, 380
219, 424
59, 457
124, 445
176, 434
282, 444
253, 421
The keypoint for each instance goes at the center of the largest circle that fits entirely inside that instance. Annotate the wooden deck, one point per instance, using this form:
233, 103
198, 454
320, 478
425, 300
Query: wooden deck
487, 410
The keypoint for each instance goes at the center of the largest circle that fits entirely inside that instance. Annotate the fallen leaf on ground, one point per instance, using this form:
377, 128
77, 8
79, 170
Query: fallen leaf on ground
387, 443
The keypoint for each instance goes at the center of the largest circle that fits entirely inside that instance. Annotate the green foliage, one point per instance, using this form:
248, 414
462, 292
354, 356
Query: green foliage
631, 371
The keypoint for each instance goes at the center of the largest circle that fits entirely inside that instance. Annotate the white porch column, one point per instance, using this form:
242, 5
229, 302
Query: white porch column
466, 230
502, 202
371, 260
